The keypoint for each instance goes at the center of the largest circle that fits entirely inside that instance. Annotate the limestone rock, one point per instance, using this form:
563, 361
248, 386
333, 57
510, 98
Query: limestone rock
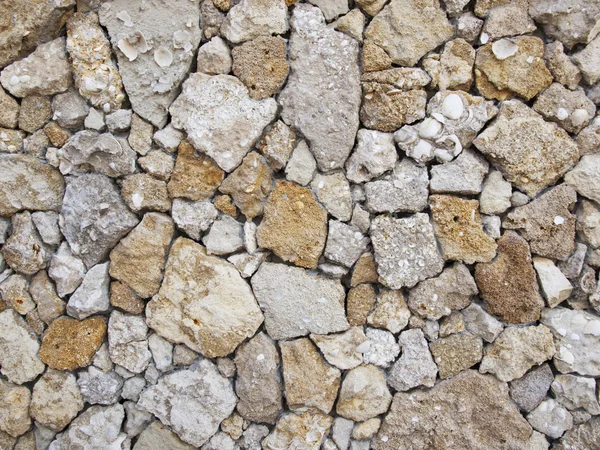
322, 95
69, 110
69, 344
143, 192
571, 109
473, 412
14, 292
24, 250
385, 108
374, 154
213, 124
352, 23
257, 385
333, 191
277, 145
250, 19
440, 296
547, 222
158, 164
294, 226
214, 57
577, 334
309, 382
93, 217
9, 116
296, 302
516, 350
363, 394
589, 138
345, 243
66, 270
261, 65
415, 367
576, 392
555, 286
584, 177
27, 183
359, 302
398, 263
582, 437
46, 224
224, 237
18, 349
49, 305
192, 402
127, 341
382, 349
456, 353
155, 54
588, 223
550, 418
409, 30
560, 65
14, 408
45, 72
453, 68
215, 311
156, 436
374, 57
99, 387
495, 195
302, 431
529, 390
587, 60
464, 175
342, 350
140, 136
508, 19
91, 296
139, 258
390, 311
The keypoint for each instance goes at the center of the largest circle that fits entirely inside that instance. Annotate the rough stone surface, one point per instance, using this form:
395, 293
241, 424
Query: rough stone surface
415, 367
156, 436
333, 191
529, 390
142, 192
456, 353
374, 154
345, 243
49, 305
364, 394
99, 387
303, 431
464, 175
550, 418
250, 19
127, 341
584, 177
277, 145
390, 311
495, 195
557, 101
14, 404
342, 350
66, 270
91, 296
576, 392
583, 436
555, 286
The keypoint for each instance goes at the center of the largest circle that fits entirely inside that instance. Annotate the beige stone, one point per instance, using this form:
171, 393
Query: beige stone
453, 68
360, 300
301, 431
277, 145
34, 113
374, 58
143, 192
364, 394
122, 297
14, 408
390, 311
456, 353
385, 108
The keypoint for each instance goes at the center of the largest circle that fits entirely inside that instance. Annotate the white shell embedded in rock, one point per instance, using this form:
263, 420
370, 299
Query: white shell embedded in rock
504, 48
163, 57
430, 128
125, 17
128, 50
452, 107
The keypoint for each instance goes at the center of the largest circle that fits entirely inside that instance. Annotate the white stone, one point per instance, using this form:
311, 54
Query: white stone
162, 352
551, 419
480, 323
504, 48
576, 392
555, 286
375, 153
224, 237
250, 19
415, 366
344, 350
137, 419
66, 270
496, 193
333, 191
248, 263
94, 120
345, 243
193, 217
341, 432
99, 387
381, 349
168, 138
92, 295
127, 341
363, 394
214, 57
302, 165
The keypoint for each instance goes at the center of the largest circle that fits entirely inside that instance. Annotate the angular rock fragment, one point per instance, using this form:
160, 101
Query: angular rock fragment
464, 175
322, 95
342, 350
214, 313
453, 68
220, 118
560, 65
224, 237
390, 311
550, 418
277, 145
495, 195
24, 250
333, 191
374, 154
364, 394
49, 305
193, 402
415, 367
576, 392
98, 387
93, 217
571, 109
345, 243
305, 430
34, 113
531, 153
456, 353
91, 296
193, 217
143, 192
156, 436
154, 54
9, 117
69, 110
253, 18
508, 19
555, 286
127, 341
66, 270
529, 390
585, 177
587, 60
352, 24
214, 57
385, 108
14, 408
296, 302
359, 302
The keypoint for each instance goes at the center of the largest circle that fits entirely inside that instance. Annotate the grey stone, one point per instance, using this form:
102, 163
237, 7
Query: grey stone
576, 392
480, 323
341, 432
333, 191
158, 164
168, 138
98, 387
127, 341
495, 195
69, 110
137, 420
529, 390
119, 120
46, 224
162, 352
464, 175
214, 57
157, 437
302, 165
571, 109
551, 419
49, 305
24, 250
66, 270
585, 177
193, 217
133, 387
225, 236
91, 296
375, 153
345, 243
250, 19
415, 366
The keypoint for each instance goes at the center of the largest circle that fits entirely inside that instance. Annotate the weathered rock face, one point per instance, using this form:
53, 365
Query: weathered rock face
258, 386
155, 48
473, 412
14, 406
582, 437
296, 302
415, 367
157, 436
192, 402
322, 95
584, 177
203, 302
27, 183
127, 341
24, 250
364, 394
302, 431
456, 353
508, 284
93, 217
220, 118
342, 350
530, 152
250, 19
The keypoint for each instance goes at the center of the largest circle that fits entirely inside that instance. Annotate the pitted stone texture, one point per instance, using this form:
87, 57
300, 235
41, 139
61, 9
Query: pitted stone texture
576, 392
385, 108
374, 154
530, 152
49, 304
91, 296
14, 408
19, 349
322, 95
550, 418
557, 101
9, 117
390, 311
258, 383
508, 284
296, 302
127, 341
142, 192
343, 350
193, 402
529, 390
214, 57
277, 145
585, 177
473, 412
220, 118
138, 259
99, 387
364, 394
333, 191
157, 163
302, 431
516, 350
66, 270
407, 30
294, 226
563, 69
495, 195
27, 183
93, 217
45, 72
415, 367
203, 302
155, 54
453, 68
456, 353
24, 250
15, 293
310, 384
587, 60
464, 175
69, 344
585, 436
250, 19
405, 250
577, 335
345, 243
440, 296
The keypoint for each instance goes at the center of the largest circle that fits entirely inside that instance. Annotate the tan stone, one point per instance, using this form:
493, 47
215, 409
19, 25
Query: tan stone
364, 394
374, 58
69, 344
249, 185
123, 298
385, 108
49, 304
457, 225
453, 69
143, 192
35, 111
524, 74
14, 408
365, 270
508, 284
301, 431
261, 65
139, 258
360, 301
390, 311
294, 226
456, 353
9, 110
224, 203
309, 382
194, 176
277, 145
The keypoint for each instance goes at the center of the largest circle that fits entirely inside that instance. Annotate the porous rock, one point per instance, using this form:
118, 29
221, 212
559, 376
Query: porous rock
415, 367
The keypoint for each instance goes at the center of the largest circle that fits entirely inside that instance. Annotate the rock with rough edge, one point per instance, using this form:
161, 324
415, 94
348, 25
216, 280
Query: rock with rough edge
374, 154
156, 53
24, 250
364, 394
322, 95
333, 191
390, 311
302, 431
250, 19
495, 195
127, 341
14, 408
66, 270
555, 286
49, 304
478, 322
220, 118
156, 437
214, 57
193, 402
203, 302
576, 392
587, 60
345, 243
529, 390
550, 418
473, 412
277, 145
585, 436
296, 302
193, 217
464, 175
99, 387
342, 350
571, 109
456, 353
585, 177
93, 217
385, 108
91, 296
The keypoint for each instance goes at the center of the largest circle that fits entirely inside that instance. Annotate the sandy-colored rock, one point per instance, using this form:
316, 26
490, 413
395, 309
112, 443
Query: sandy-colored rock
352, 23
261, 65
390, 311
69, 344
14, 408
220, 118
203, 302
364, 394
302, 431
342, 350
555, 286
530, 152
585, 436
143, 192
309, 382
15, 293
214, 57
250, 19
139, 258
158, 164
453, 68
585, 177
56, 400
277, 145
457, 225
66, 270
587, 60
57, 135
571, 109
156, 436
9, 116
49, 304
322, 95
385, 108
359, 302
456, 353
560, 65
374, 57
294, 226
473, 412
508, 284
333, 192
24, 250
122, 297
